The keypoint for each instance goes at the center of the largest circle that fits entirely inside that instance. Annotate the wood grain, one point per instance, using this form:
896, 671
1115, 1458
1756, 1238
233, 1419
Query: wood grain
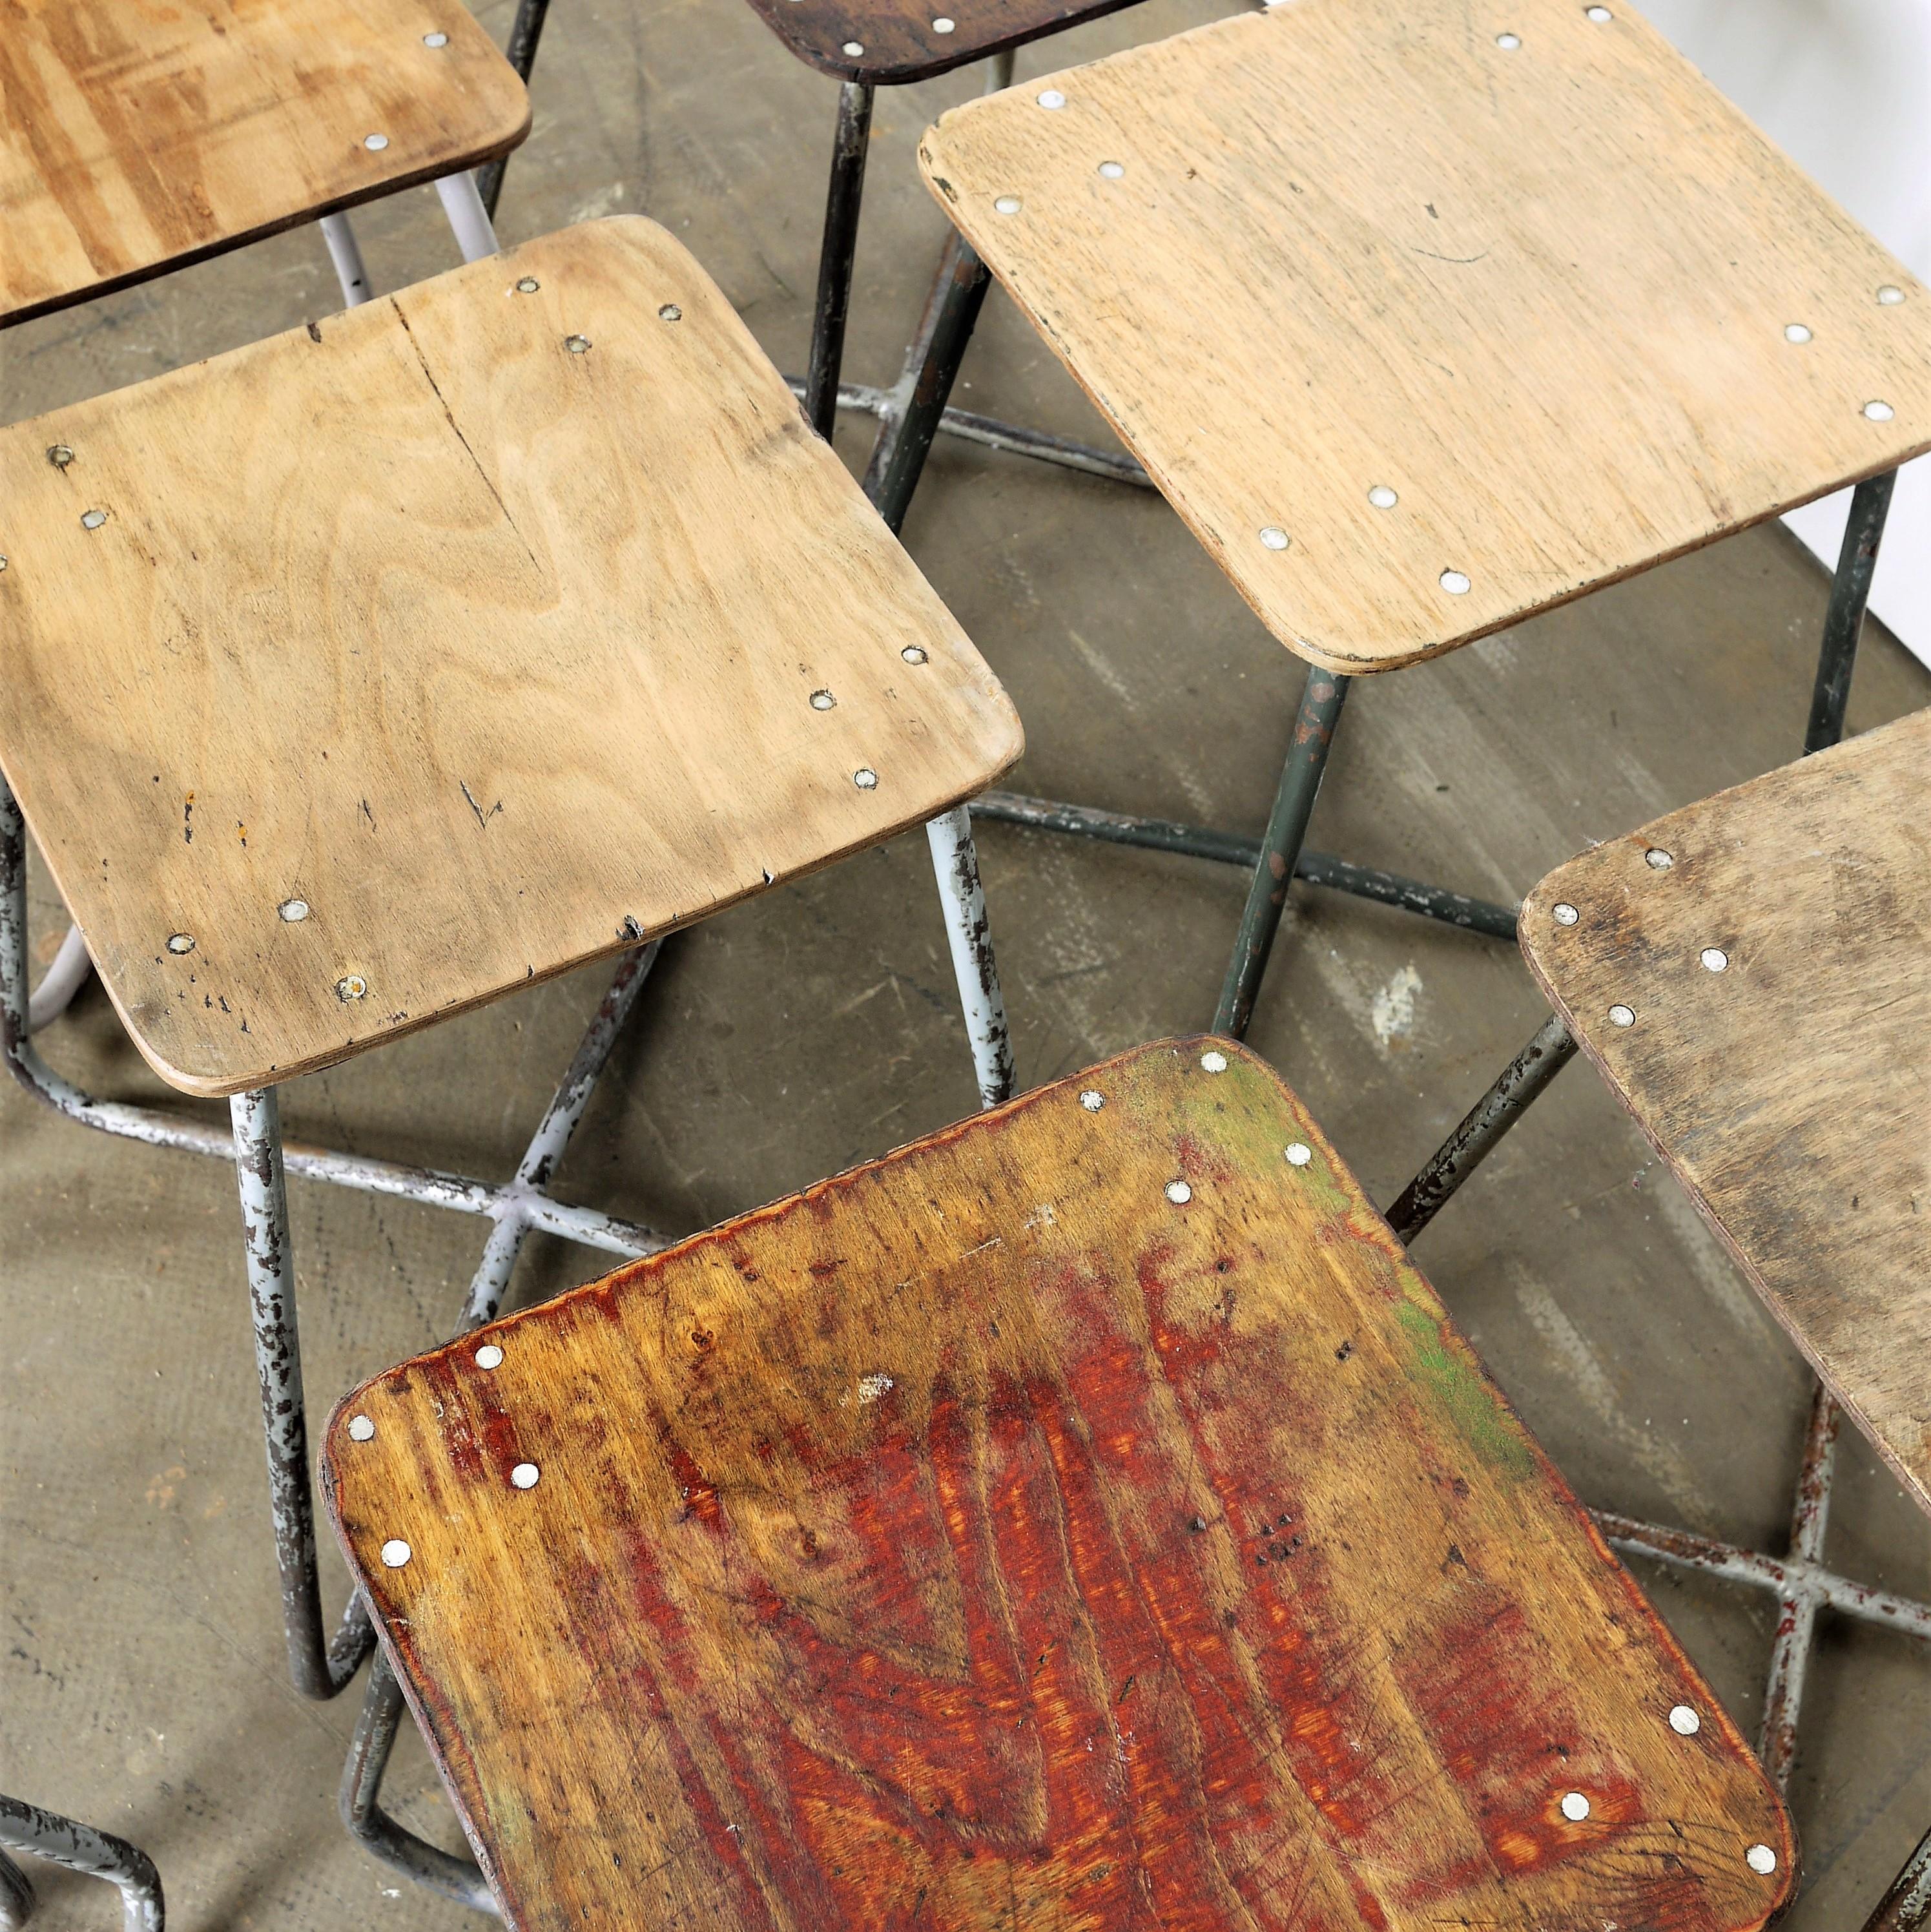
985, 1539
897, 40
1540, 294
135, 137
1790, 1092
497, 656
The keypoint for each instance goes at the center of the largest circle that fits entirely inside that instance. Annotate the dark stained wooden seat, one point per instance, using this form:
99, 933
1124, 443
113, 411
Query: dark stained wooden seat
902, 40
1753, 976
1086, 1517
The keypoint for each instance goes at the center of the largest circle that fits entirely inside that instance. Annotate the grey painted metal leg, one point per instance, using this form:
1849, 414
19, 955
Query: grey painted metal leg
320, 1669
1797, 1607
469, 220
525, 33
1321, 699
843, 198
346, 252
1850, 592
62, 980
45, 1834
955, 864
1474, 1140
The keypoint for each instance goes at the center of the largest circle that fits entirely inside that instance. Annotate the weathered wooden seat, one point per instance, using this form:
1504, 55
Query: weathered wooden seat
1086, 1516
134, 138
1752, 977
368, 673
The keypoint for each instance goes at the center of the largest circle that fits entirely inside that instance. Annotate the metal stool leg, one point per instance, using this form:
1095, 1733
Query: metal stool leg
1850, 591
1907, 1905
525, 33
468, 216
60, 1841
62, 981
1322, 700
843, 198
320, 1669
346, 252
955, 864
1797, 1606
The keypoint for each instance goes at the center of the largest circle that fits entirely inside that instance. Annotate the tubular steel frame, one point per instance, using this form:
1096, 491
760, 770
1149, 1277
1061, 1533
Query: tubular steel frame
1801, 1584
64, 1841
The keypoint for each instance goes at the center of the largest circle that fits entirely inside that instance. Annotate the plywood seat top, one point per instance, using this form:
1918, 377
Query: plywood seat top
890, 42
135, 138
1086, 1517
1753, 976
372, 670
1425, 318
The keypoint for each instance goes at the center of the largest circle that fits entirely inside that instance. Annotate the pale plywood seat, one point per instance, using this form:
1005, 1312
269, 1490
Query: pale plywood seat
371, 671
1087, 1515
1536, 293
1787, 1089
135, 138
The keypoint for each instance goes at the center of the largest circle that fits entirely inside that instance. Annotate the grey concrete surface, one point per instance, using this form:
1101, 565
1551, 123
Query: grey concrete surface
142, 1682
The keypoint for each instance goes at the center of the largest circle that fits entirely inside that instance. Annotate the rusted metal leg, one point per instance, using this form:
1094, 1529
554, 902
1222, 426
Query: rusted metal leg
1321, 699
1797, 1605
1850, 592
320, 1669
1484, 1123
1907, 1905
843, 198
61, 1841
968, 932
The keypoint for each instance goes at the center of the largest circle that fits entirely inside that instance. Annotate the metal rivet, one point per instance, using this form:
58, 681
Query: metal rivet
1564, 913
1623, 1016
823, 700
92, 520
1879, 412
854, 48
361, 1429
1657, 860
293, 911
181, 942
943, 26
60, 456
1273, 538
528, 286
670, 312
375, 143
1714, 958
1683, 1721
1382, 497
1214, 1061
1298, 1154
1179, 1193
1111, 170
1795, 331
1598, 14
489, 1356
577, 345
524, 1475
1455, 583
1051, 97
1890, 295
1508, 42
351, 986
436, 39
3, 563
913, 655
1574, 1807
865, 778
1761, 1858
1092, 1101
1007, 204
396, 1552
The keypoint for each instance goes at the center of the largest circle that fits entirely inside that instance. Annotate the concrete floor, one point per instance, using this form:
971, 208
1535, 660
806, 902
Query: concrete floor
142, 1682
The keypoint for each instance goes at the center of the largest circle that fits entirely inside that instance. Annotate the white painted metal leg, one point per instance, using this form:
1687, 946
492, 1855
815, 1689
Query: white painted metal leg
469, 219
346, 252
65, 978
956, 862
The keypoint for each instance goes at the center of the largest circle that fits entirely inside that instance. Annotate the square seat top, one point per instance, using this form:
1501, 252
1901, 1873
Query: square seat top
135, 137
1427, 318
1753, 976
1086, 1517
371, 671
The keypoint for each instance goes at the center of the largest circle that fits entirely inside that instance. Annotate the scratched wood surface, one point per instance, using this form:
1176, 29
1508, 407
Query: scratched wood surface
135, 137
1789, 1089
900, 40
1538, 293
985, 1538
492, 656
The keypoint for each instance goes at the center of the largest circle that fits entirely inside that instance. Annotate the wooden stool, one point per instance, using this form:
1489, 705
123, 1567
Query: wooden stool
366, 674
63, 1841
1425, 322
134, 140
1749, 976
1087, 1515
